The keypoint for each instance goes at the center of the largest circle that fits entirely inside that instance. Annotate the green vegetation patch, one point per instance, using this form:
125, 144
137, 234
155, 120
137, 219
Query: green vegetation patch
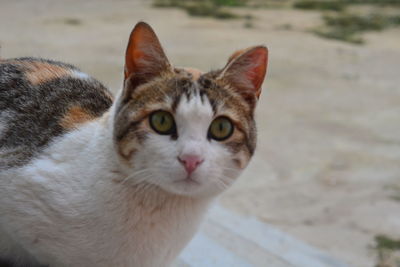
340, 34
339, 24
72, 21
339, 5
206, 8
357, 23
374, 2
344, 26
232, 3
384, 242
388, 250
320, 5
348, 27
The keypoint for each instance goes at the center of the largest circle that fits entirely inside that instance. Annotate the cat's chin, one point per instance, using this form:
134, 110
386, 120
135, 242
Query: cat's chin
189, 187
188, 181
185, 188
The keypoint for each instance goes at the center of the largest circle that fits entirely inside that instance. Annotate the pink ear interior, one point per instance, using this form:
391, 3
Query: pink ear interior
246, 69
257, 74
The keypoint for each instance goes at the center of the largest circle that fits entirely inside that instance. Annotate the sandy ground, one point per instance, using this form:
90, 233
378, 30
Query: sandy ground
328, 161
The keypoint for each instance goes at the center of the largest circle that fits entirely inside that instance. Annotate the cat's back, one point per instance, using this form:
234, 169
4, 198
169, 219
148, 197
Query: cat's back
40, 100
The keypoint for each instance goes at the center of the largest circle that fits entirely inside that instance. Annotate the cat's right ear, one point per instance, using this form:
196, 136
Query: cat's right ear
144, 57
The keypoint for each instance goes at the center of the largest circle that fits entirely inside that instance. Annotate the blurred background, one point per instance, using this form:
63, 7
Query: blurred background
327, 166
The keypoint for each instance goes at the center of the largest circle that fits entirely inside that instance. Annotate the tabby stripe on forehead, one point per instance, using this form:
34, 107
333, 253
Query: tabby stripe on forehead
213, 104
181, 86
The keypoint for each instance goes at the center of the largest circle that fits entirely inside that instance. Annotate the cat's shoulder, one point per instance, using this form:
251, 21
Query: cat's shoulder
41, 74
28, 81
34, 71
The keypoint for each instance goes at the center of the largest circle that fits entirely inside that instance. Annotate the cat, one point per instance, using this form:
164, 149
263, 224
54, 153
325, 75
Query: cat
87, 179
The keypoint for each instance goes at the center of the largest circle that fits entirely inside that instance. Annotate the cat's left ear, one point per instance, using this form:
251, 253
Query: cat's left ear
144, 57
246, 69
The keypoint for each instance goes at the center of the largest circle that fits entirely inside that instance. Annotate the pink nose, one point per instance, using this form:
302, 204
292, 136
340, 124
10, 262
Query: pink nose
190, 162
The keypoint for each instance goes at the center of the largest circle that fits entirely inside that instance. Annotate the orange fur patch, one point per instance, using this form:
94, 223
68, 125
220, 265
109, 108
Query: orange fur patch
41, 72
75, 116
195, 73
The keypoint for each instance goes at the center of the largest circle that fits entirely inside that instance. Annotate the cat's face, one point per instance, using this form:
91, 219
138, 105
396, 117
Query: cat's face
187, 132
188, 136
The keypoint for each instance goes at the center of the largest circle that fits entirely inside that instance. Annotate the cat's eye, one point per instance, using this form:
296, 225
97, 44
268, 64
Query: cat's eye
162, 122
220, 129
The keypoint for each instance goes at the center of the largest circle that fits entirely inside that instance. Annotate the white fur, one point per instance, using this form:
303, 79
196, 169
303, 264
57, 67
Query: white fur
80, 205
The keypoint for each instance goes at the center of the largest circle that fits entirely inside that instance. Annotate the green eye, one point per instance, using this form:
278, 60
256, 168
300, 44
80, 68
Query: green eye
220, 129
162, 122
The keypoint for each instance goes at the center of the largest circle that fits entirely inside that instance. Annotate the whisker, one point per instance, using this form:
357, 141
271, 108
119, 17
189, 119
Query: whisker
129, 177
221, 183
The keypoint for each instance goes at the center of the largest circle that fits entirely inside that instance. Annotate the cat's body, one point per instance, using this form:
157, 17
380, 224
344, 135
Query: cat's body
86, 180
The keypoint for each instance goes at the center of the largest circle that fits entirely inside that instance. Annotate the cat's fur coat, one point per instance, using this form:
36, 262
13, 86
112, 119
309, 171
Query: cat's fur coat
85, 180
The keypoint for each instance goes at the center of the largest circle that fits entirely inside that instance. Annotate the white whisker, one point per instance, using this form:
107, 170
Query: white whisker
134, 175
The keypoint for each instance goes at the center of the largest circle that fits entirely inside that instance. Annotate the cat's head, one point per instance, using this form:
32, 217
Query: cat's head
188, 132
